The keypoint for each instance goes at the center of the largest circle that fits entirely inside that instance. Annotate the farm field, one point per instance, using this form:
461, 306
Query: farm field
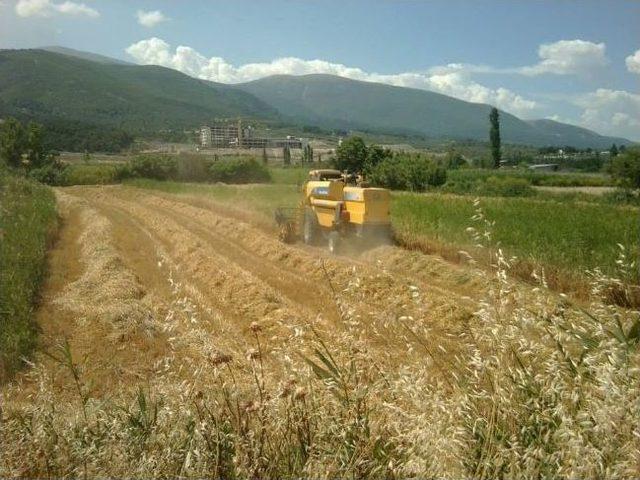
180, 337
565, 237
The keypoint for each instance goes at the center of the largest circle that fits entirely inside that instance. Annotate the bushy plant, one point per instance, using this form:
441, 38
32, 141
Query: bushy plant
158, 167
244, 170
455, 160
407, 172
18, 141
53, 173
622, 196
626, 168
354, 156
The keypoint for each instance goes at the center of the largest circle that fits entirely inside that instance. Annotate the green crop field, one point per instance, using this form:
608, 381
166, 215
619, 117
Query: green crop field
573, 236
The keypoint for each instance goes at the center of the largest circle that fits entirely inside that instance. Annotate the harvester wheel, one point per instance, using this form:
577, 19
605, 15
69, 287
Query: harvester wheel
310, 227
334, 242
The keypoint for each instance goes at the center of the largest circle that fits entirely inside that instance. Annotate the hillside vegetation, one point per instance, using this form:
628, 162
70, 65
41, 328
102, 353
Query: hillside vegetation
62, 89
335, 102
50, 86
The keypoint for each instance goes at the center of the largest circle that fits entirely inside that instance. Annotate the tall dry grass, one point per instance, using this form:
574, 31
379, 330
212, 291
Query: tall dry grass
531, 386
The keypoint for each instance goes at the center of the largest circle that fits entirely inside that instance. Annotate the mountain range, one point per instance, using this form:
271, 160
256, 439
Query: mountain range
56, 83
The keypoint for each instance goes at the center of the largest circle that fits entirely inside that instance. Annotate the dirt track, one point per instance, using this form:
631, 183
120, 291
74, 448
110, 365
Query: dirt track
138, 278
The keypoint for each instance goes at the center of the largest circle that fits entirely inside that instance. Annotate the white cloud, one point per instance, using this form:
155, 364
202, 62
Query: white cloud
450, 82
151, 18
47, 8
567, 57
611, 112
633, 62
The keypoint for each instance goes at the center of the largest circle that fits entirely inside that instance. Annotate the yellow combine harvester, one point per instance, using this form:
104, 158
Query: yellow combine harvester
331, 210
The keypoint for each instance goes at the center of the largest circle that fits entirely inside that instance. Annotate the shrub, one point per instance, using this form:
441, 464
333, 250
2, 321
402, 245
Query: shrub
50, 174
407, 172
158, 167
244, 170
621, 196
626, 167
455, 160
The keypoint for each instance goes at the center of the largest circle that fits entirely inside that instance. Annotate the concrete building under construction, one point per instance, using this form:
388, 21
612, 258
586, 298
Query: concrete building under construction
235, 135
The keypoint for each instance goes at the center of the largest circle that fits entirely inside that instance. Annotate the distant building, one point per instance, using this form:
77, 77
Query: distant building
234, 135
221, 135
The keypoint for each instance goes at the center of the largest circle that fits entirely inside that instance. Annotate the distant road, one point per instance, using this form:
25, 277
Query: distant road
589, 190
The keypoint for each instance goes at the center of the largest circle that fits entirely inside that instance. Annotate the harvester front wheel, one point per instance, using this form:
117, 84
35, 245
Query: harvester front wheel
310, 227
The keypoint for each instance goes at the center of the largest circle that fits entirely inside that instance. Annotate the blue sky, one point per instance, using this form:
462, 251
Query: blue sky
575, 61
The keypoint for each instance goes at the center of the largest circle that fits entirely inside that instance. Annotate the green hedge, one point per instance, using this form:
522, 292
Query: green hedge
239, 171
27, 222
189, 168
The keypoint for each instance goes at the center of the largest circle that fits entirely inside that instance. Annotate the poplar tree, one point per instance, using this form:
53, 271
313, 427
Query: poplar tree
494, 137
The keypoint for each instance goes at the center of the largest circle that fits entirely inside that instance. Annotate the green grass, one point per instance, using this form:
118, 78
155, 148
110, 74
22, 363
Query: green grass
263, 199
573, 236
27, 222
548, 179
295, 175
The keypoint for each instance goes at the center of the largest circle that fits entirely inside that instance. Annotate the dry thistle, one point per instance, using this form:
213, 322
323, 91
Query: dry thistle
253, 354
219, 358
287, 388
300, 393
252, 406
255, 327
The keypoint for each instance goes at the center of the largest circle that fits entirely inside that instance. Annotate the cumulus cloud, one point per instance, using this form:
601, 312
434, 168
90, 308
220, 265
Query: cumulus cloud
633, 62
451, 82
567, 57
613, 112
151, 18
47, 8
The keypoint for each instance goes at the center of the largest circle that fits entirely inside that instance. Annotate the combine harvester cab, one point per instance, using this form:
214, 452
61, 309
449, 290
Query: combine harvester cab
331, 211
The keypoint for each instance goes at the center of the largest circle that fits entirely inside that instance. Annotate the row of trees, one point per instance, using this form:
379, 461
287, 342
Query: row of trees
417, 171
307, 155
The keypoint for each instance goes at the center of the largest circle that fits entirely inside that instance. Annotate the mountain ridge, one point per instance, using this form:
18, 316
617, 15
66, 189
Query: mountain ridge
62, 83
94, 57
362, 104
41, 85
